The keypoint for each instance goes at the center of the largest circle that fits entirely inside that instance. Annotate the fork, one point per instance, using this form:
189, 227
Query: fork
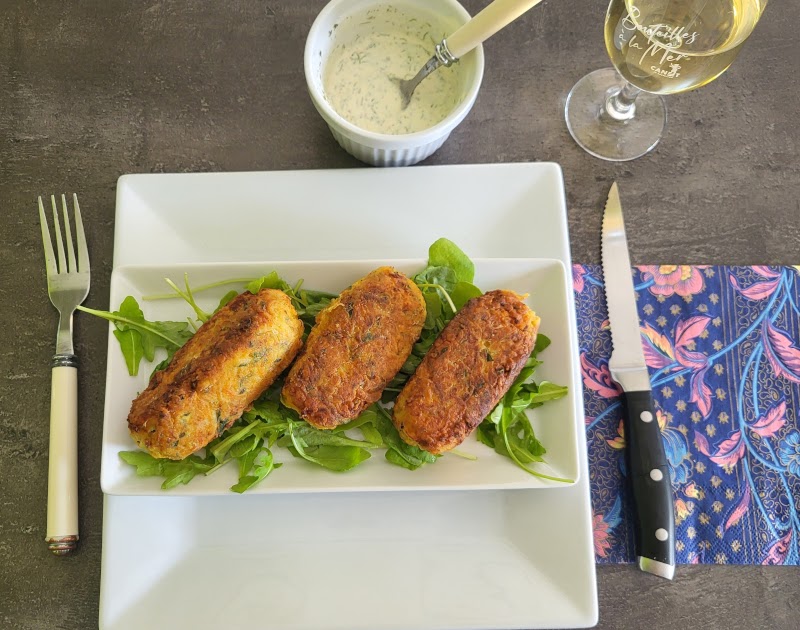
67, 286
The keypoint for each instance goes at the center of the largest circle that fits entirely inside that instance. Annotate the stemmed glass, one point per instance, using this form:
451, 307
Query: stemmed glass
657, 47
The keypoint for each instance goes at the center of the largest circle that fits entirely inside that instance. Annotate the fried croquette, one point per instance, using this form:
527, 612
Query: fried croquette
217, 374
358, 344
466, 372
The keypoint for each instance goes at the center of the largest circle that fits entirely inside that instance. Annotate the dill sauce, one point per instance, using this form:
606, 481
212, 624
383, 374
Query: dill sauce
369, 49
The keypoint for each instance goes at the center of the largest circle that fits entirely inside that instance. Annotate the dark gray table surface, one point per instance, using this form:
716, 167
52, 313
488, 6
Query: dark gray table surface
91, 90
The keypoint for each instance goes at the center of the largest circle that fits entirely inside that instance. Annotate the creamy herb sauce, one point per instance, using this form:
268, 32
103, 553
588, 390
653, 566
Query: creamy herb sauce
371, 48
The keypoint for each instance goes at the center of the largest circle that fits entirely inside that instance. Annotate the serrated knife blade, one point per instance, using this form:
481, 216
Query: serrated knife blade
627, 363
648, 469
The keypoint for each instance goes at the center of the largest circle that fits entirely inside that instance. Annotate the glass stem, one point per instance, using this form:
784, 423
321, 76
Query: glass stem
622, 105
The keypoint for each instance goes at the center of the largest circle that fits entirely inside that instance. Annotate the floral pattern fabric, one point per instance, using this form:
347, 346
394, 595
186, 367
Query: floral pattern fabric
722, 345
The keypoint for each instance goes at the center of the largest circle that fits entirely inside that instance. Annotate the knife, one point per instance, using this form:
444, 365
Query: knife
648, 470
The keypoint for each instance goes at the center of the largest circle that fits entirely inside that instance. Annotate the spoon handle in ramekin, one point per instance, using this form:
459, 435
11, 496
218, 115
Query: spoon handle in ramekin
497, 15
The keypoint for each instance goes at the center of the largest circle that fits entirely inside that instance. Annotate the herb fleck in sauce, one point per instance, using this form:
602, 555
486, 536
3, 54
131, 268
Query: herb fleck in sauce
371, 48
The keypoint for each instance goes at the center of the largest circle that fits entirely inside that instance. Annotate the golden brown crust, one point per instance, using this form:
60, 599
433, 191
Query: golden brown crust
217, 374
466, 372
357, 346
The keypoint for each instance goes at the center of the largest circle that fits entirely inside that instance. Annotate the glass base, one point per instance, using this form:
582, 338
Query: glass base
603, 136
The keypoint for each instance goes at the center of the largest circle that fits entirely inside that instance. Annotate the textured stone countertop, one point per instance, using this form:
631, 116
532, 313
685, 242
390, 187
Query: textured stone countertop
91, 90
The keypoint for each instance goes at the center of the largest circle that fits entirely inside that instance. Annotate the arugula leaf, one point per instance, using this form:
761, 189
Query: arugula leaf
365, 423
271, 281
433, 310
145, 336
130, 342
315, 437
436, 283
245, 446
399, 452
189, 298
183, 471
160, 366
535, 395
411, 364
486, 433
399, 459
261, 463
542, 342
507, 429
442, 276
366, 417
239, 433
225, 299
314, 309
268, 407
445, 253
463, 292
336, 458
309, 304
174, 472
248, 481
372, 435
146, 464
248, 460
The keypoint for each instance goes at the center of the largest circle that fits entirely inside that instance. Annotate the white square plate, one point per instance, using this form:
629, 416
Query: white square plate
544, 280
490, 559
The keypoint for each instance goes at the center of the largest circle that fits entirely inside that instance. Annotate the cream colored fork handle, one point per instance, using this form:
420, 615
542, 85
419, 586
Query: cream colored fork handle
480, 28
62, 478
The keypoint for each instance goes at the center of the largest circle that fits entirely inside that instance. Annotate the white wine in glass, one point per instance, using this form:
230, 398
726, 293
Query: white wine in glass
657, 47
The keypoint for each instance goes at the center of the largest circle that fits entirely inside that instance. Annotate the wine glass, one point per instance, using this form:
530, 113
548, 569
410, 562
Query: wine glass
657, 47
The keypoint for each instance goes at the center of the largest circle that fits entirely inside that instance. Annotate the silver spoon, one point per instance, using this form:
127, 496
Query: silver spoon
497, 15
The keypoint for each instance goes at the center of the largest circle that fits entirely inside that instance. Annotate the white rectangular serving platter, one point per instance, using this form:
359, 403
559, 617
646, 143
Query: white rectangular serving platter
489, 559
543, 281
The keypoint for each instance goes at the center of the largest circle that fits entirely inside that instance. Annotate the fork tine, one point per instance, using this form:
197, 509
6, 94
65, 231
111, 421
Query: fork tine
62, 262
83, 251
49, 256
70, 250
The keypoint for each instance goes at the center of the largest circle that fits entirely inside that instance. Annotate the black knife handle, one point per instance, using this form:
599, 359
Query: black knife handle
648, 470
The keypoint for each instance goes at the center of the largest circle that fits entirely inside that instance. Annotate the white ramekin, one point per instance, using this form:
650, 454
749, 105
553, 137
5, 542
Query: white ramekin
381, 149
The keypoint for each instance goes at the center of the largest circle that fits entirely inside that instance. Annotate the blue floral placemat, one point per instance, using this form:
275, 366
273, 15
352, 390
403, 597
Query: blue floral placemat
723, 348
